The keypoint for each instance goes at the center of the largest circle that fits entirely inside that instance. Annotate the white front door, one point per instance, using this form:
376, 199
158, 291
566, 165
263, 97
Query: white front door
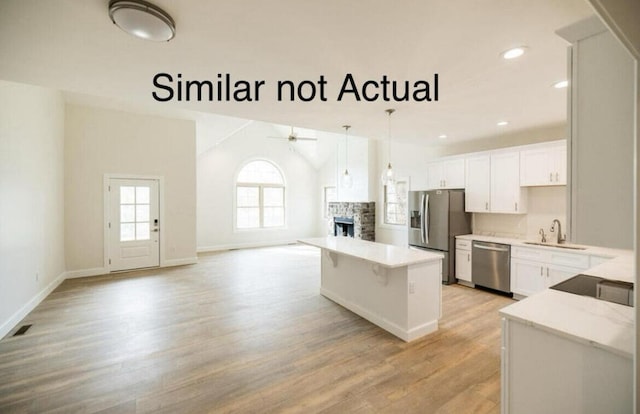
134, 224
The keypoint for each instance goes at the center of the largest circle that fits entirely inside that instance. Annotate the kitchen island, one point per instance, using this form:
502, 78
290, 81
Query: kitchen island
396, 288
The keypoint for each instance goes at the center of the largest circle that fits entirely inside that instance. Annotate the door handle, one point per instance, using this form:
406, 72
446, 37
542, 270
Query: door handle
426, 219
493, 249
422, 219
155, 230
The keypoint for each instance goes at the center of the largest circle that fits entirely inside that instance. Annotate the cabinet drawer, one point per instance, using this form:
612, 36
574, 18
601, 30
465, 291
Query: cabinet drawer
580, 261
528, 254
463, 244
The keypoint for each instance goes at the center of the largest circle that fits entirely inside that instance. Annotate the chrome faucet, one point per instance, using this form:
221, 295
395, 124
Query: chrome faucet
559, 238
543, 237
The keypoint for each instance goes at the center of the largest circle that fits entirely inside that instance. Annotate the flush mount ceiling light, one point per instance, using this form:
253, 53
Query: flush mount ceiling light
142, 19
502, 123
514, 53
443, 136
561, 84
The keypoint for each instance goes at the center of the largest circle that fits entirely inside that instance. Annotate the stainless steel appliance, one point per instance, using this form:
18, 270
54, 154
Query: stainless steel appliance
436, 217
490, 265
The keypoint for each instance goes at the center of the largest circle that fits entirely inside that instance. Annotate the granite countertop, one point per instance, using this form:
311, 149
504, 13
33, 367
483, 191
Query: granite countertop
383, 254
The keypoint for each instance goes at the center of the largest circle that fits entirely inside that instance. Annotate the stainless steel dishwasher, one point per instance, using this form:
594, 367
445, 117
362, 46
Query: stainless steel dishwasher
491, 265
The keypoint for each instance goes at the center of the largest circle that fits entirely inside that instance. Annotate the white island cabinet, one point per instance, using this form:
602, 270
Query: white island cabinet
396, 288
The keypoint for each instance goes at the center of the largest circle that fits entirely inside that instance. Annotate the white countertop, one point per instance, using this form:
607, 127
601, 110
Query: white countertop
584, 319
383, 254
588, 250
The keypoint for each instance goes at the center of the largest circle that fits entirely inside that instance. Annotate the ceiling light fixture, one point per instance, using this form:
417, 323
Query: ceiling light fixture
514, 53
561, 84
388, 177
502, 123
443, 136
347, 180
142, 20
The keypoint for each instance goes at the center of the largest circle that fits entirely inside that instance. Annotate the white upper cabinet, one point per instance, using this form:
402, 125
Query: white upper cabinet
506, 194
446, 173
544, 165
478, 183
493, 183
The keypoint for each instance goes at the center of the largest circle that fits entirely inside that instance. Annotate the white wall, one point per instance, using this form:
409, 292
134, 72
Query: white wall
31, 198
410, 161
100, 141
216, 173
361, 165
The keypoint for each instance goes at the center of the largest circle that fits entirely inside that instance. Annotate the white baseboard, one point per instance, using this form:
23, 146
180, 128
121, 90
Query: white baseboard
9, 324
180, 262
96, 271
222, 247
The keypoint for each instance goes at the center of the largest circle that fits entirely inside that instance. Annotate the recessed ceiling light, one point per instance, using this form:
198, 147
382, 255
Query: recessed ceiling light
561, 84
502, 123
514, 53
142, 19
443, 136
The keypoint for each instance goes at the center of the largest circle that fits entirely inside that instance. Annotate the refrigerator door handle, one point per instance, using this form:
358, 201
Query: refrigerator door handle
422, 219
426, 219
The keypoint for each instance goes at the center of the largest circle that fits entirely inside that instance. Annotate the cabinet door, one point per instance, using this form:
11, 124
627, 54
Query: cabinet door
527, 277
463, 265
536, 167
556, 274
434, 175
559, 160
453, 173
506, 194
477, 183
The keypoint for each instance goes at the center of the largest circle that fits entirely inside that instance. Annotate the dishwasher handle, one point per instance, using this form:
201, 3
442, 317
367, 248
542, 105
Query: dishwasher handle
494, 249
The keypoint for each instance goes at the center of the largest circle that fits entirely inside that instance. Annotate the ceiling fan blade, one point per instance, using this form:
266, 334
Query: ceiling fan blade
306, 139
278, 137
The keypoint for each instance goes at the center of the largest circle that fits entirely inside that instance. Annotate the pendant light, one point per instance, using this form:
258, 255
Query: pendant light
347, 179
388, 177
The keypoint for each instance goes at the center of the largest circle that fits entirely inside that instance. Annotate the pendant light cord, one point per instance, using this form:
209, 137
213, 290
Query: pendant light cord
389, 111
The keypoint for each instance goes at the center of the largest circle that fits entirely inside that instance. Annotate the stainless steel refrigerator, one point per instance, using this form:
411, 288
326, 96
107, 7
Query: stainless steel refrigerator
436, 217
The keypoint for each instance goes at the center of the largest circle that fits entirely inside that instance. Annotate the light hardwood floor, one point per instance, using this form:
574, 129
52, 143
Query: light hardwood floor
243, 331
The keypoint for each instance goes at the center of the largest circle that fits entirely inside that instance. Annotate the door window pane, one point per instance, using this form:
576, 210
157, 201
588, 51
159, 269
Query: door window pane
142, 231
142, 212
142, 195
127, 195
127, 231
127, 213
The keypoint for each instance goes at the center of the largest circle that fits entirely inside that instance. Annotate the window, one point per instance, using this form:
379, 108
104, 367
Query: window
395, 203
134, 213
330, 195
259, 196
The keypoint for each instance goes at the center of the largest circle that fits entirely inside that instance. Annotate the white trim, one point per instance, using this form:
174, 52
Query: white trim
96, 271
10, 323
180, 262
107, 208
251, 245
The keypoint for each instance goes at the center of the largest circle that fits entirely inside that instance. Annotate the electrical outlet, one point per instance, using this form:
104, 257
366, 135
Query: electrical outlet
412, 287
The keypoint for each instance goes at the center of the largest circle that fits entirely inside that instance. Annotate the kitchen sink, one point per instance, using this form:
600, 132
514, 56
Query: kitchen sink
562, 246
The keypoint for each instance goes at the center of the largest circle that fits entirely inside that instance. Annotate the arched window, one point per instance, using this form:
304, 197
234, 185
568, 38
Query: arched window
259, 196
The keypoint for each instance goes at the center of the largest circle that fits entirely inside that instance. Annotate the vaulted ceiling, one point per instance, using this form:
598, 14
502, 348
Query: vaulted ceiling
73, 46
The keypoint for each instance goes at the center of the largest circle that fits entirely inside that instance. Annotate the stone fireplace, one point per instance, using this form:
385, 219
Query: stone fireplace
352, 219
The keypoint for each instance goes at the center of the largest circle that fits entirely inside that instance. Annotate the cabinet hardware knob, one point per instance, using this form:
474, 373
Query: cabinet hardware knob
557, 179
541, 270
550, 177
516, 206
486, 206
547, 272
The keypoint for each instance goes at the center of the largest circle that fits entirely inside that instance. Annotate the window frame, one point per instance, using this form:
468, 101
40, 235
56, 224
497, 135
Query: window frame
261, 206
385, 204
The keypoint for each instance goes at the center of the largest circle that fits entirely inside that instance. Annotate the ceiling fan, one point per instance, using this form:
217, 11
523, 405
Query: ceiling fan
293, 137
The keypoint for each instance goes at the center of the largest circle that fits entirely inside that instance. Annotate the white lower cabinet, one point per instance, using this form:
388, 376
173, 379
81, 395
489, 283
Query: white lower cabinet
463, 260
543, 372
533, 270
